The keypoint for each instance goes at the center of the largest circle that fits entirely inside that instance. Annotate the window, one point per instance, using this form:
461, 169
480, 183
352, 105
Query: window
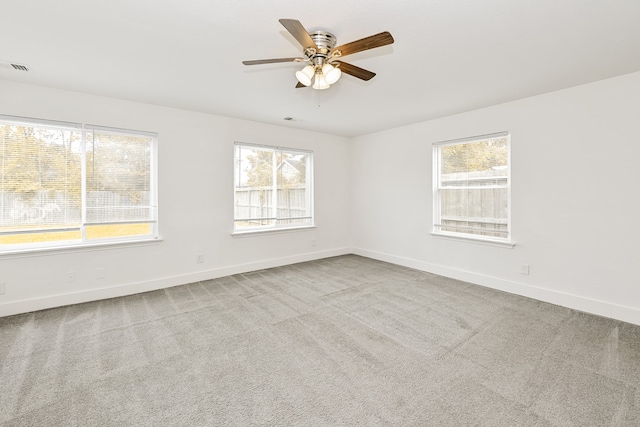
273, 188
472, 188
65, 184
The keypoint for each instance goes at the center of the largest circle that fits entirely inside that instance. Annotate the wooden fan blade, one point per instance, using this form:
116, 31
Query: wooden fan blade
299, 85
299, 33
358, 72
272, 61
371, 42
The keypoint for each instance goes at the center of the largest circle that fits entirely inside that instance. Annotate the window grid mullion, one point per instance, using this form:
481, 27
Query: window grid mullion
274, 185
83, 183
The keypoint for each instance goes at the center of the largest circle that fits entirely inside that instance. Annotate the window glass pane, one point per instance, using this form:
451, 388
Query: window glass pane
487, 156
40, 180
21, 238
118, 177
106, 231
254, 186
472, 188
474, 211
292, 189
272, 187
478, 204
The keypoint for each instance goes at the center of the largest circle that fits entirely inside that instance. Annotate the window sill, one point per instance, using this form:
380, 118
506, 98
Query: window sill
254, 233
55, 250
477, 240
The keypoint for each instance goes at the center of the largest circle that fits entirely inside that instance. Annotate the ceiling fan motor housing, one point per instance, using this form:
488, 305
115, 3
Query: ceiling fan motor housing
325, 42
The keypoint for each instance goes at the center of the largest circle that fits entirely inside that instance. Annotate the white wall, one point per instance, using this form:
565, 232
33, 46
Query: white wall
575, 159
574, 200
195, 204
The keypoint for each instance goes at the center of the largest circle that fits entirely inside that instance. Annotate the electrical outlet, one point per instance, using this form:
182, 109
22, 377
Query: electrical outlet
100, 273
524, 269
71, 276
313, 242
199, 258
3, 288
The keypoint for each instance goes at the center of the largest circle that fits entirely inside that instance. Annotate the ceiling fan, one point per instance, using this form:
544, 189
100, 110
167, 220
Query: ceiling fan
324, 66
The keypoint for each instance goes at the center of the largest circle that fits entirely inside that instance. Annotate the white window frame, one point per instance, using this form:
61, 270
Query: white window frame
260, 229
9, 249
437, 187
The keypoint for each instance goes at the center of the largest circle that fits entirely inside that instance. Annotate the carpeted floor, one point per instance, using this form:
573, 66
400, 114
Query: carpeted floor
337, 342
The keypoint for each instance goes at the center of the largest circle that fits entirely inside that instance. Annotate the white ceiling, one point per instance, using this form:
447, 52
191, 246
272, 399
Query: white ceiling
449, 56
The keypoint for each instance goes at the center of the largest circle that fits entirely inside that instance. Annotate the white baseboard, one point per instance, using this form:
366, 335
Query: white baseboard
600, 308
25, 306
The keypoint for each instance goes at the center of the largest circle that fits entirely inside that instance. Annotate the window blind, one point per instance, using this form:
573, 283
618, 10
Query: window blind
64, 184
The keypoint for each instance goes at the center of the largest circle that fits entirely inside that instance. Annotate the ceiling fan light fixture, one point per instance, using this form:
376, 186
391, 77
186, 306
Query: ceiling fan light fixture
305, 76
320, 82
331, 74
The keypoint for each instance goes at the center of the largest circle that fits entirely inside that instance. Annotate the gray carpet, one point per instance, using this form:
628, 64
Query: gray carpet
337, 342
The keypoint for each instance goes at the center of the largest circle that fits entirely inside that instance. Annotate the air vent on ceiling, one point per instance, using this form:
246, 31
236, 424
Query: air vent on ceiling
13, 66
20, 67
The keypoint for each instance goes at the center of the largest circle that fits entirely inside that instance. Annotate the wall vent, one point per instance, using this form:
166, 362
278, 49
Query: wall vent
13, 66
19, 67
